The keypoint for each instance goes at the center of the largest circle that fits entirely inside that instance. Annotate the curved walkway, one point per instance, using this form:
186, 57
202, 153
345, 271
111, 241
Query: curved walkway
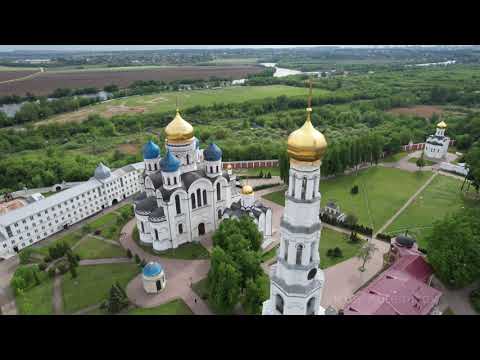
180, 275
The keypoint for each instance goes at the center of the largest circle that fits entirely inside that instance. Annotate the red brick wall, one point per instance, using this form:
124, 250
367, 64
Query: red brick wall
251, 164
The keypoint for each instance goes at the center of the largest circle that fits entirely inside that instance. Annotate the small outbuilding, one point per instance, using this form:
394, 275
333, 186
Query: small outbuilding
153, 278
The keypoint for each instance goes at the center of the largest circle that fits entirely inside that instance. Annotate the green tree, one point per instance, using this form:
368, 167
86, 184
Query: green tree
365, 254
420, 162
256, 292
454, 248
225, 287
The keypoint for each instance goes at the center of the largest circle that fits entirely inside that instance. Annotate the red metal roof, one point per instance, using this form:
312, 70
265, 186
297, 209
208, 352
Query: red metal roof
400, 290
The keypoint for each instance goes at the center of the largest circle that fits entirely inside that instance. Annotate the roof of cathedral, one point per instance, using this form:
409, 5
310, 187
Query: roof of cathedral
102, 172
146, 205
169, 163
212, 153
237, 210
151, 150
152, 269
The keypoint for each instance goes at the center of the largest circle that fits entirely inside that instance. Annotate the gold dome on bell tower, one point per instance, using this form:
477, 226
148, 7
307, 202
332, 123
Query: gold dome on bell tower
179, 130
307, 144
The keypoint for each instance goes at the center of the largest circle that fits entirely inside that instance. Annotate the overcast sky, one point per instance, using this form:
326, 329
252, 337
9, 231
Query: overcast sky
151, 47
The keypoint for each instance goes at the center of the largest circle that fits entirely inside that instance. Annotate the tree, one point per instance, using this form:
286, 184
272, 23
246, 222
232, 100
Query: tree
454, 248
365, 254
24, 256
117, 299
225, 287
129, 253
73, 271
256, 292
351, 219
354, 190
420, 162
284, 167
137, 259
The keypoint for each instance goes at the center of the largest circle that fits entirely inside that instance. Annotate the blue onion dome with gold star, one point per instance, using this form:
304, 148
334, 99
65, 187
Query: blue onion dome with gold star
151, 150
212, 153
169, 163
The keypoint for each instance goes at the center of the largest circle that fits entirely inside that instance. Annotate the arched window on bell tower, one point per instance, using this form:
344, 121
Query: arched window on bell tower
304, 187
298, 259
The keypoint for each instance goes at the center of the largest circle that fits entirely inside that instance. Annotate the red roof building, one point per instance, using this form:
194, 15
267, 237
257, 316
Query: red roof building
402, 289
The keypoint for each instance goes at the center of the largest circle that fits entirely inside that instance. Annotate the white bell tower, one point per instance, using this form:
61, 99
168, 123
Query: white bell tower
296, 279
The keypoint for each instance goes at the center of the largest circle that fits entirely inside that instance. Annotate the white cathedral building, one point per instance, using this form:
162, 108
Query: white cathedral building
436, 146
296, 280
186, 194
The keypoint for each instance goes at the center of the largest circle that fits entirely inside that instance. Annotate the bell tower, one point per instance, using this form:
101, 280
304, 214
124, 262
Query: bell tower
296, 281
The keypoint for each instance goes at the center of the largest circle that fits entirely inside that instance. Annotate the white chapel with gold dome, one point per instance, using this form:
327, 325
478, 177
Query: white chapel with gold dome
296, 280
186, 193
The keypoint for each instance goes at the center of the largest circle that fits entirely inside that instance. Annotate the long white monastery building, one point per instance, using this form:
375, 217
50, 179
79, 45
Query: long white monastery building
186, 194
296, 280
40, 219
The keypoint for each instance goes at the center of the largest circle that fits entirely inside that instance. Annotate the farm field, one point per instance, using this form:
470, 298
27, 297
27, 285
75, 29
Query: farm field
425, 111
48, 81
10, 75
166, 101
382, 191
441, 197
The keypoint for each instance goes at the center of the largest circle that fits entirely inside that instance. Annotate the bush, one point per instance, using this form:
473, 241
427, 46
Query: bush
42, 266
52, 272
137, 259
384, 237
62, 268
24, 256
354, 238
24, 278
354, 190
129, 253
47, 259
269, 175
337, 252
143, 263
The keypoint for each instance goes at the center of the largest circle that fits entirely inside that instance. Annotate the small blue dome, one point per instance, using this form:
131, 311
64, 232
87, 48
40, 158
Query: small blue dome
151, 150
212, 153
169, 163
152, 269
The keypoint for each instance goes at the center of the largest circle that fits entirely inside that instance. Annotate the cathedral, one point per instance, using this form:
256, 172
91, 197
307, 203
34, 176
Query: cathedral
296, 280
186, 194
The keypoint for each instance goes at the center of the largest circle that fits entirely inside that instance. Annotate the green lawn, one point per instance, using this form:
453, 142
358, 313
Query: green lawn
93, 284
104, 220
413, 160
439, 198
93, 248
394, 158
36, 300
71, 239
175, 307
382, 191
331, 239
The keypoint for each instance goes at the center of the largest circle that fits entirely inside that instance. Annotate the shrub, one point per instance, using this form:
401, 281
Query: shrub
52, 271
62, 268
129, 253
330, 252
354, 190
42, 266
354, 238
143, 263
24, 256
337, 252
137, 259
47, 259
269, 175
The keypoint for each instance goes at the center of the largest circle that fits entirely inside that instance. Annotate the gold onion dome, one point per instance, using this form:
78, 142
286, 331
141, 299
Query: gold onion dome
306, 144
442, 125
179, 130
247, 190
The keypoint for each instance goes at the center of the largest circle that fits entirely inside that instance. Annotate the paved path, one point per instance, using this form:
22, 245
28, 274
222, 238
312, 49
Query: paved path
412, 198
114, 260
179, 275
87, 309
57, 295
7, 298
457, 300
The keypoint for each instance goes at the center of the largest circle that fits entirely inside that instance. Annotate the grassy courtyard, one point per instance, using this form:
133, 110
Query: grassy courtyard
413, 160
437, 200
93, 248
331, 239
274, 171
70, 238
382, 191
36, 300
93, 284
394, 158
174, 307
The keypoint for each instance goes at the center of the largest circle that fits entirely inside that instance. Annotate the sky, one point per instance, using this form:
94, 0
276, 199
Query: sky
154, 47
